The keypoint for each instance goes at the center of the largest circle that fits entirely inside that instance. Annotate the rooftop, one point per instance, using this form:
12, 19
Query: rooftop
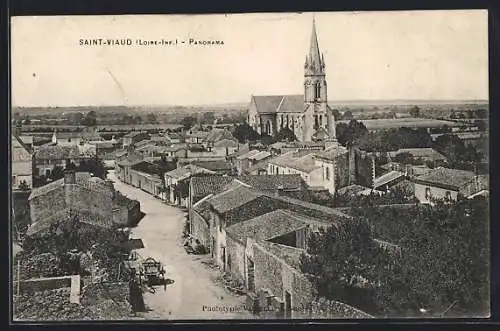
226, 143
273, 182
267, 104
331, 153
211, 184
427, 153
449, 178
267, 226
290, 255
214, 165
185, 171
233, 198
387, 178
58, 152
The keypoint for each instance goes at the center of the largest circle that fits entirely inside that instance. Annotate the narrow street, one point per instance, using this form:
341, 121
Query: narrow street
193, 294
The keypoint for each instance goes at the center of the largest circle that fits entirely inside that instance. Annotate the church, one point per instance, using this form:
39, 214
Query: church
307, 115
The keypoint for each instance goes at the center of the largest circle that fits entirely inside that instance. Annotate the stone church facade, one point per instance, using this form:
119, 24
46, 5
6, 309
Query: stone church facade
307, 115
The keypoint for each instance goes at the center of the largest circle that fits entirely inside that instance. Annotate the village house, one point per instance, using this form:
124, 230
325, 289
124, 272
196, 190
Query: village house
262, 250
91, 199
220, 167
90, 135
196, 137
173, 150
52, 155
133, 137
300, 162
176, 179
148, 176
124, 163
249, 159
449, 184
204, 186
22, 164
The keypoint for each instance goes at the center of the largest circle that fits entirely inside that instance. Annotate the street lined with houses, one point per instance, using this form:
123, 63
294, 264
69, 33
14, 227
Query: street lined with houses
192, 290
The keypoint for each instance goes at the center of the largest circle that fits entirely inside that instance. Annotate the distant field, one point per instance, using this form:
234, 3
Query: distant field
50, 128
382, 124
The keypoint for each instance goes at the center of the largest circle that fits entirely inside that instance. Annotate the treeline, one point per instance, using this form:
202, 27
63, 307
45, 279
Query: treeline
439, 266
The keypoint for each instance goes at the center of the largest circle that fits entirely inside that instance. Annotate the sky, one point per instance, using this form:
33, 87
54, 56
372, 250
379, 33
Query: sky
424, 55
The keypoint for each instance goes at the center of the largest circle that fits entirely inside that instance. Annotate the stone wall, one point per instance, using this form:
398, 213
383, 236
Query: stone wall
342, 173
42, 284
236, 258
43, 206
201, 230
329, 309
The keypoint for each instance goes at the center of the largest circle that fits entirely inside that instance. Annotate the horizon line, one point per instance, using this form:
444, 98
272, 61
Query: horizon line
335, 101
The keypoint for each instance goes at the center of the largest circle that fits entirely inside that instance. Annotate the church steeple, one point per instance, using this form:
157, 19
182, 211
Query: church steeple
314, 60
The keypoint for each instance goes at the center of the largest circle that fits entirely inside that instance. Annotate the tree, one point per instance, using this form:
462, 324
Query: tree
286, 134
347, 115
95, 166
404, 158
90, 119
188, 122
151, 118
344, 263
349, 134
208, 117
481, 125
245, 133
267, 140
415, 111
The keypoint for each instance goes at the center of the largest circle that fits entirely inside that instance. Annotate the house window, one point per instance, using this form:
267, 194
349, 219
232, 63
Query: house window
327, 170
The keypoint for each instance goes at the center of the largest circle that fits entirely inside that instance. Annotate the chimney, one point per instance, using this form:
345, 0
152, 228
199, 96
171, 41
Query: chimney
69, 177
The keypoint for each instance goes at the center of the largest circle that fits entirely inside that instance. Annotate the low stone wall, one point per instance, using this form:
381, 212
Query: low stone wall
329, 309
49, 283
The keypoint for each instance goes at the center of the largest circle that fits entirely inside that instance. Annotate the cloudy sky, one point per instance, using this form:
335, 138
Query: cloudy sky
368, 55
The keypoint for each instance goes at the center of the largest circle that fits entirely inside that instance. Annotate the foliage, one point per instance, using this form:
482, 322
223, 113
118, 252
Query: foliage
286, 134
348, 134
455, 150
347, 115
188, 122
394, 139
90, 119
208, 117
445, 257
95, 166
345, 262
267, 140
244, 133
151, 118
415, 111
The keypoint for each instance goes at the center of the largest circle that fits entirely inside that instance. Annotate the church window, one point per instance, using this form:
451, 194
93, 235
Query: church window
321, 120
327, 173
427, 193
316, 122
317, 91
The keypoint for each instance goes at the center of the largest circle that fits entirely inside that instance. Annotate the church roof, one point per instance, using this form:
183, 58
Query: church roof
269, 104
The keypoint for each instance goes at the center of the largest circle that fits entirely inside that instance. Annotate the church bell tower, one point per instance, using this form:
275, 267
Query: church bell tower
315, 89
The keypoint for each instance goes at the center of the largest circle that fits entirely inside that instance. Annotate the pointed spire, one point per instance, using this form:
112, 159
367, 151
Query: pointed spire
314, 57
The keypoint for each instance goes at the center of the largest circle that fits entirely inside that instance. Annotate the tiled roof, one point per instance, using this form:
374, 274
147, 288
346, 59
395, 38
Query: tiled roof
247, 154
149, 168
351, 189
292, 104
267, 103
427, 153
387, 178
144, 142
331, 153
19, 151
198, 134
186, 171
286, 159
273, 182
130, 159
58, 152
264, 227
226, 143
210, 184
203, 208
214, 165
235, 197
440, 176
133, 134
259, 156
290, 255
80, 177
